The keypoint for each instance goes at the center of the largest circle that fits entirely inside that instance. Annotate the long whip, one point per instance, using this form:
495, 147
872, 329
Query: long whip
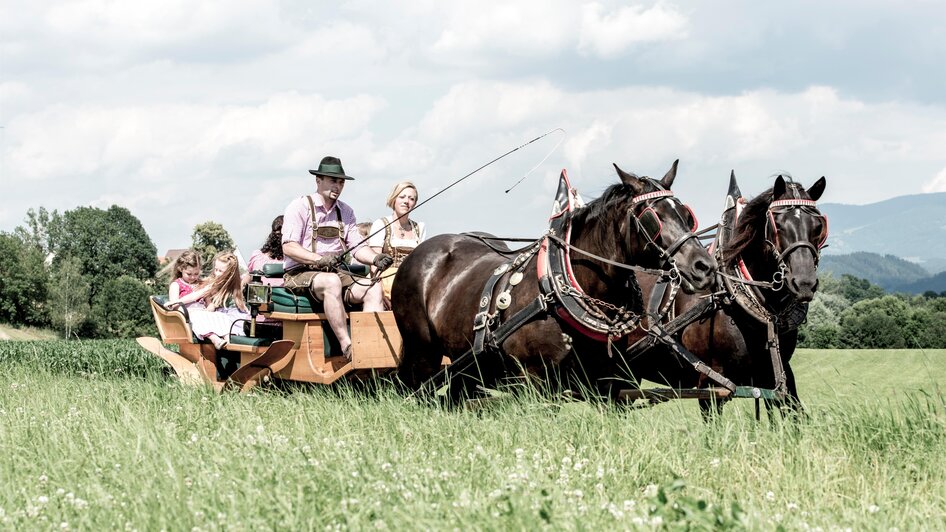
458, 181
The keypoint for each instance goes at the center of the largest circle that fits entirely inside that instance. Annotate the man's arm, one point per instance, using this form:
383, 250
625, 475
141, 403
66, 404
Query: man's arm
364, 254
296, 252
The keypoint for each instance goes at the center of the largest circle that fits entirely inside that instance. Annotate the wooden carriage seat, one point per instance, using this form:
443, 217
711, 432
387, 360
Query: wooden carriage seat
173, 322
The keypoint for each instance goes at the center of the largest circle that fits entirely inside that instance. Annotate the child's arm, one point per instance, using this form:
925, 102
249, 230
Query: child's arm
196, 295
174, 291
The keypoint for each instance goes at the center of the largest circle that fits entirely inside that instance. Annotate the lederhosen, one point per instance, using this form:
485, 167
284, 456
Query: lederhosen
300, 277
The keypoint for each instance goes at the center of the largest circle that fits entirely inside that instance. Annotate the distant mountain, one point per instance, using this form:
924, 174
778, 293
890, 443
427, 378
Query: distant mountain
911, 227
891, 273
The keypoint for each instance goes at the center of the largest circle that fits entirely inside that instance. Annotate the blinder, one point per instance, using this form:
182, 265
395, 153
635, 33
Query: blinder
650, 223
810, 208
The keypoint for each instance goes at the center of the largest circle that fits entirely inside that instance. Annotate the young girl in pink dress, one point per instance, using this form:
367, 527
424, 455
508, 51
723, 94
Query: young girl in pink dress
185, 274
222, 294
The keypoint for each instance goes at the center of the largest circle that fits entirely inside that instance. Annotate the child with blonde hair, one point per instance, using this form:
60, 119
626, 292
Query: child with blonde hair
222, 294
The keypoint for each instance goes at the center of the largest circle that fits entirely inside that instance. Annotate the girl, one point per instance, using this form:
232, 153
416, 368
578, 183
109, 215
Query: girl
185, 274
222, 294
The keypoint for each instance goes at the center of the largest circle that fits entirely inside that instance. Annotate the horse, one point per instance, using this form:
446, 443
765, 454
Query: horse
768, 250
571, 291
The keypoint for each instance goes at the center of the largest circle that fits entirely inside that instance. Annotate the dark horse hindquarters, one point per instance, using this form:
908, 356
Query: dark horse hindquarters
437, 296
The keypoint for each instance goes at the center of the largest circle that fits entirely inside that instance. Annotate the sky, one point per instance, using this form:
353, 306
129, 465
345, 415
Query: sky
193, 111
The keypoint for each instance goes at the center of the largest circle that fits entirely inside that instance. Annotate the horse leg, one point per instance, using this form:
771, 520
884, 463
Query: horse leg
711, 409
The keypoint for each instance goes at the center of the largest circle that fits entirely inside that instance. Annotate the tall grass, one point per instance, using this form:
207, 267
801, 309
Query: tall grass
99, 448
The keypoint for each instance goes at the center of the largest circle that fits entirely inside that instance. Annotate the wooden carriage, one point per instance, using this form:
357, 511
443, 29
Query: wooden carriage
294, 343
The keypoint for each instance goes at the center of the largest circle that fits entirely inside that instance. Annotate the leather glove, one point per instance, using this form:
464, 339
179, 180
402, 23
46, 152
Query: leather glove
382, 261
326, 263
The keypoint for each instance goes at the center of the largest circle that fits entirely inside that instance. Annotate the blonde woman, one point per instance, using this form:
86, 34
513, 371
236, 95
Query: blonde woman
400, 235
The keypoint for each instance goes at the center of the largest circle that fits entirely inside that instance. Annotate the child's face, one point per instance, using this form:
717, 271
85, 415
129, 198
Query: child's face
190, 274
219, 267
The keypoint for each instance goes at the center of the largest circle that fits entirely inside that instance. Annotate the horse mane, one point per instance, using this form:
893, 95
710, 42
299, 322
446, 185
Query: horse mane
753, 219
603, 210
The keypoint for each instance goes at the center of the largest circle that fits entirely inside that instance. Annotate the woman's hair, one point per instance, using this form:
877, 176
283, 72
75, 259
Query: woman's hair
396, 191
188, 259
225, 285
273, 244
363, 228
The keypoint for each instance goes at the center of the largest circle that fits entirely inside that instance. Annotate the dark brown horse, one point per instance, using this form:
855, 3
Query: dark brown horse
768, 249
439, 296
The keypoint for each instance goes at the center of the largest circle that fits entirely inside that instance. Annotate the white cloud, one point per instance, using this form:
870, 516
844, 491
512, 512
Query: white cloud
937, 184
469, 109
611, 33
519, 28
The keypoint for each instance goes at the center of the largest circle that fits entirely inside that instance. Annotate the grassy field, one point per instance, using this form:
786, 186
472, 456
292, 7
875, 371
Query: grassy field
95, 438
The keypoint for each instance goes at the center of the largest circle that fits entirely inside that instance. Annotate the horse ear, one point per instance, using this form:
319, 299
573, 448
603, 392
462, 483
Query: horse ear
627, 178
670, 175
817, 189
778, 190
733, 186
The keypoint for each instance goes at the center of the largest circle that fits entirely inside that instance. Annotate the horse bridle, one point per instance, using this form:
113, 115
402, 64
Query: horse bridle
647, 200
780, 253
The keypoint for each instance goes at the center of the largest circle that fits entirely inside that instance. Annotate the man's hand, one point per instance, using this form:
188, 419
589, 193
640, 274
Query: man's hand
326, 263
382, 261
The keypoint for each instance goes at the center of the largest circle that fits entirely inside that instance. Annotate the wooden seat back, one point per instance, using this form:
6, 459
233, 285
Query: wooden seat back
172, 324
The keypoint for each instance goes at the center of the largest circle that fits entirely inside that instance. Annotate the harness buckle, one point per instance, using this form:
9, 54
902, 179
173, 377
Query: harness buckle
480, 321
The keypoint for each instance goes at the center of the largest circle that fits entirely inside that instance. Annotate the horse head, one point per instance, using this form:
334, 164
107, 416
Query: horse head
661, 229
789, 232
797, 231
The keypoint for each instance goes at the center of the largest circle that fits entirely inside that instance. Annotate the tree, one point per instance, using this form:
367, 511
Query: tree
208, 239
43, 230
23, 282
121, 309
856, 289
876, 323
69, 296
107, 245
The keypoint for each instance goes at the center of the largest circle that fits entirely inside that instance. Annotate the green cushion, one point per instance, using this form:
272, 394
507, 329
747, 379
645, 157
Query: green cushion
285, 300
273, 270
247, 340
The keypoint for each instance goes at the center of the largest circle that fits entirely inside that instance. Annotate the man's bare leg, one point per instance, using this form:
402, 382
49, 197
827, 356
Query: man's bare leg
371, 297
328, 288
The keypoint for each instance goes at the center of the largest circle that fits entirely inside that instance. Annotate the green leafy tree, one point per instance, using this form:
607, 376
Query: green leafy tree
23, 283
856, 289
107, 244
876, 323
43, 230
121, 309
69, 296
208, 239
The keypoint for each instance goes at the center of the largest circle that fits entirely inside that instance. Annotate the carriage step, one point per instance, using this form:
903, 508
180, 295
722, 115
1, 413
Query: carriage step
659, 395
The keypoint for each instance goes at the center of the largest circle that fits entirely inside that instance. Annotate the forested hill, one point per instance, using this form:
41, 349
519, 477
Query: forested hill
911, 227
891, 273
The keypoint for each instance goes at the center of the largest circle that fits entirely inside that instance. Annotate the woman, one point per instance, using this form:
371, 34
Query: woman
400, 235
270, 252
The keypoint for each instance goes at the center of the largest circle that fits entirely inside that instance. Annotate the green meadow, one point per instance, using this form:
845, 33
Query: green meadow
94, 436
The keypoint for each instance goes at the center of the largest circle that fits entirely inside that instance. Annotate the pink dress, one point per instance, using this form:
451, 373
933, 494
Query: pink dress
257, 260
185, 289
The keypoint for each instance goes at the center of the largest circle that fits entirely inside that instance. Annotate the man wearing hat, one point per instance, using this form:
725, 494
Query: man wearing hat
317, 231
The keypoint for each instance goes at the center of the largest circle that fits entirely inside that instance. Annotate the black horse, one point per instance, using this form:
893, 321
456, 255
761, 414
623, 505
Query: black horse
577, 280
768, 250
